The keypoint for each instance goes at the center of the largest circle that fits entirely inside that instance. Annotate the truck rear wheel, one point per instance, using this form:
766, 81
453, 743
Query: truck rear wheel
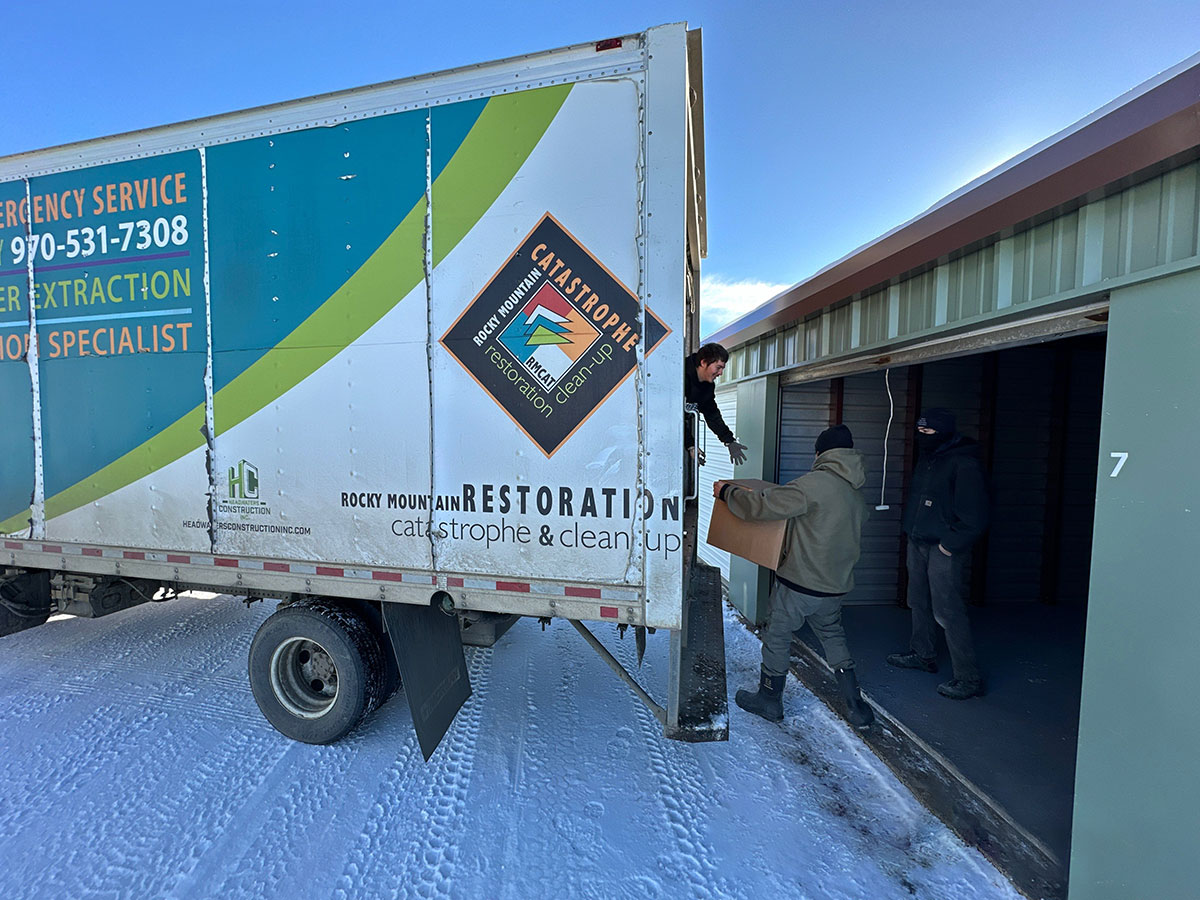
24, 601
316, 670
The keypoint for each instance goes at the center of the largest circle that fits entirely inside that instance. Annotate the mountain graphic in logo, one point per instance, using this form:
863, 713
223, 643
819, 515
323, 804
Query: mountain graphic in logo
552, 335
549, 336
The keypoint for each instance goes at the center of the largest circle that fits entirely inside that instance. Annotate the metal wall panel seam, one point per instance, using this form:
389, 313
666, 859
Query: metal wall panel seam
210, 443
427, 265
635, 568
893, 311
37, 506
941, 293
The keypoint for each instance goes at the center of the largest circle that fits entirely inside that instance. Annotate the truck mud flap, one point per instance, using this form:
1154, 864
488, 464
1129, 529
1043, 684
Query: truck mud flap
433, 668
698, 705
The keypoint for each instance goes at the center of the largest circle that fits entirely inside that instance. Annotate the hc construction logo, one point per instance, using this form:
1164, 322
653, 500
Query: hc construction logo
243, 481
552, 335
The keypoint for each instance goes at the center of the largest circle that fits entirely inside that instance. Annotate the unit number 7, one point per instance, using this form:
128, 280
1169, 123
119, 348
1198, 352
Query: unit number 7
1120, 458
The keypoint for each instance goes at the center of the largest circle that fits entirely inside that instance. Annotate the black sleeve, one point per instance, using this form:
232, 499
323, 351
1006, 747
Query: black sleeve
712, 415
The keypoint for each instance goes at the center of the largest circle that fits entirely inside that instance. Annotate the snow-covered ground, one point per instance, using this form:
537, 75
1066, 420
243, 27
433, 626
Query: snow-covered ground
135, 764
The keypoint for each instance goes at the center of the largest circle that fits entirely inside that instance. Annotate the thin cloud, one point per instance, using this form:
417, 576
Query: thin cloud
722, 301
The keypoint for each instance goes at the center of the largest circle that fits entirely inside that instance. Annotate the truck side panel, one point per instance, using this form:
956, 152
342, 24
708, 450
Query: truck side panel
318, 308
16, 437
537, 312
118, 295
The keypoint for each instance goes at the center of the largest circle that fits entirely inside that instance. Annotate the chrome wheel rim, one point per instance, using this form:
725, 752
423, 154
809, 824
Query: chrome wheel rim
304, 678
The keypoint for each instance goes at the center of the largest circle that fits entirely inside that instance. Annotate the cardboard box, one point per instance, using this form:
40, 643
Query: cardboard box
759, 542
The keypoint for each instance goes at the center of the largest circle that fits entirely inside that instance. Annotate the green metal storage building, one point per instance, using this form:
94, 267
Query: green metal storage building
1054, 303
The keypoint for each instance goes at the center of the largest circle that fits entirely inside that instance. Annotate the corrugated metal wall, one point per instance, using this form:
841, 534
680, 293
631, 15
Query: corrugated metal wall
1131, 233
717, 468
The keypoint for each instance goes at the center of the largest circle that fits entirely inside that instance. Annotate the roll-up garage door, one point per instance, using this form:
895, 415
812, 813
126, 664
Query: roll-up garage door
808, 409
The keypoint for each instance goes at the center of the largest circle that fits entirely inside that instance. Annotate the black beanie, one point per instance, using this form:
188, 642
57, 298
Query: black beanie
837, 436
940, 420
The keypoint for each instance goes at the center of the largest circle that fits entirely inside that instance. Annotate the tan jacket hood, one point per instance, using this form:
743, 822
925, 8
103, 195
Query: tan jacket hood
844, 462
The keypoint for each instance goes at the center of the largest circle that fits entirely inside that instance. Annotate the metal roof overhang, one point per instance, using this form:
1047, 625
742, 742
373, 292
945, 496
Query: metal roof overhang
1150, 129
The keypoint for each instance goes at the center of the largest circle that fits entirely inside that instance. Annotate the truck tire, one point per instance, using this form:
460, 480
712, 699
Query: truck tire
16, 618
24, 602
316, 670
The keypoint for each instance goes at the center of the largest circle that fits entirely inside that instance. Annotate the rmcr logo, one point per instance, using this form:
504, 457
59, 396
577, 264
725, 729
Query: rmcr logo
243, 481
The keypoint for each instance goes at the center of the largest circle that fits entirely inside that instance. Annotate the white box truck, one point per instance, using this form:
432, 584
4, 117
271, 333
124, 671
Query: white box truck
400, 357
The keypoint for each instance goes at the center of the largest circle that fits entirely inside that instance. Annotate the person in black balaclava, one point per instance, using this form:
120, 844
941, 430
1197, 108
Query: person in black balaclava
945, 513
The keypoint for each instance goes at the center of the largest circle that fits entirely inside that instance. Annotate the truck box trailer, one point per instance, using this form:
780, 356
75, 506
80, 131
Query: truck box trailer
401, 357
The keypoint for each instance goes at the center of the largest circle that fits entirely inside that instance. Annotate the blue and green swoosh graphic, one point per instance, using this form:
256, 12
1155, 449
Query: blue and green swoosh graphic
313, 237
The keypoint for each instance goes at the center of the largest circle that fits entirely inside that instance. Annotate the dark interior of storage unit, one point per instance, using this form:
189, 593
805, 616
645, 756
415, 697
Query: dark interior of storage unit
1036, 412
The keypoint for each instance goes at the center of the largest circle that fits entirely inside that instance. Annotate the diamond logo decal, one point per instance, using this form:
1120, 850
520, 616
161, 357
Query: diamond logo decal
552, 335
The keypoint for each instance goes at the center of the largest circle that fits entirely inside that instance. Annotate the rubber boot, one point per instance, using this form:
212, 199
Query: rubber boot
910, 660
768, 701
858, 711
957, 689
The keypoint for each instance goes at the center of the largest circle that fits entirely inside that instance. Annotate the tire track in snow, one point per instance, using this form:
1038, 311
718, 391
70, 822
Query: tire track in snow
423, 802
211, 799
121, 769
134, 800
522, 848
297, 799
682, 795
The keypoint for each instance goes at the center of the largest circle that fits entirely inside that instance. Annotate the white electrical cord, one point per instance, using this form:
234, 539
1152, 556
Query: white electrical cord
891, 411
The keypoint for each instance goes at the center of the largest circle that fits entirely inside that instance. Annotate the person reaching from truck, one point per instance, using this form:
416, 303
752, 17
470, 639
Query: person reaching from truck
700, 373
825, 511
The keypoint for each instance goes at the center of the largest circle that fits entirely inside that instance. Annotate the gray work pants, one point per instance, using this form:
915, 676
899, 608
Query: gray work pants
936, 593
787, 611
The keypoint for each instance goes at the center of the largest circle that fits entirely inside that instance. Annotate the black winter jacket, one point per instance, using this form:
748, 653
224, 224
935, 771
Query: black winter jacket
703, 394
948, 501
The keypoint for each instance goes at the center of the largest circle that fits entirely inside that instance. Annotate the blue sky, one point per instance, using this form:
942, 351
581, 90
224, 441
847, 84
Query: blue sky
827, 123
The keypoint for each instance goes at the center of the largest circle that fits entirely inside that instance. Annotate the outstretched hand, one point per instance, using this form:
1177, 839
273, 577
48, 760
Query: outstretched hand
737, 452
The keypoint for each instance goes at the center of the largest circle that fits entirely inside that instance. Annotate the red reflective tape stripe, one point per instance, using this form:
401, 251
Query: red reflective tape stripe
328, 570
13, 545
385, 576
590, 593
276, 567
92, 551
176, 558
608, 612
231, 563
51, 548
454, 582
515, 586
133, 554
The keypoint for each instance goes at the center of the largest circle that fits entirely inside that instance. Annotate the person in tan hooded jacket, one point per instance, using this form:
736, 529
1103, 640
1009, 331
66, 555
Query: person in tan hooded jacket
825, 511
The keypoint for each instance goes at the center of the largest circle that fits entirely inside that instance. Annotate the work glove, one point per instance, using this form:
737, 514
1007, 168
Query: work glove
737, 452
